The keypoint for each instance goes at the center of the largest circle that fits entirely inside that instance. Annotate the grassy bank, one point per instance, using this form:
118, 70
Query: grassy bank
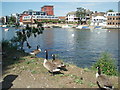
31, 73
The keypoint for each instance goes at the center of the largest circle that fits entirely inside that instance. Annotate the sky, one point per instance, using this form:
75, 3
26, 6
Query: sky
60, 8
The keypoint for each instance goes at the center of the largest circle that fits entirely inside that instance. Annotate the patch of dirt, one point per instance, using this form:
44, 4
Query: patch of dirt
32, 74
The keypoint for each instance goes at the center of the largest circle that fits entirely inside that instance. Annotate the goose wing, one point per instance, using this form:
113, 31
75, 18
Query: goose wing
104, 81
50, 66
35, 51
58, 62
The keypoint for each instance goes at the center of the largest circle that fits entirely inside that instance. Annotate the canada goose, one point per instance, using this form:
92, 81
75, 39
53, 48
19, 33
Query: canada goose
57, 62
49, 65
103, 81
38, 50
28, 45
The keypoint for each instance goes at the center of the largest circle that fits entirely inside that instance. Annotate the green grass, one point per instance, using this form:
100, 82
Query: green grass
78, 81
92, 84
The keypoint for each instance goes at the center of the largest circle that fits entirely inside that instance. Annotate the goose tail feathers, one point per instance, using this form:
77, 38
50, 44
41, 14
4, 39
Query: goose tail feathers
109, 87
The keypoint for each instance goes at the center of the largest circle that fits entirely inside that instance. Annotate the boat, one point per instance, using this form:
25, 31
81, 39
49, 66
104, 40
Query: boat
4, 25
82, 27
6, 29
79, 27
85, 27
97, 27
67, 26
46, 26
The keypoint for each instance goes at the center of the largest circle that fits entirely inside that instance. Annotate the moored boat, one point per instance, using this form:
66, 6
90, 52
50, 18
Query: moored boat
6, 29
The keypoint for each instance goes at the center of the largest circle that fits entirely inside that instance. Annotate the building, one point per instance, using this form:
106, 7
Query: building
46, 14
48, 9
30, 19
71, 17
113, 18
4, 19
31, 12
98, 14
62, 19
99, 21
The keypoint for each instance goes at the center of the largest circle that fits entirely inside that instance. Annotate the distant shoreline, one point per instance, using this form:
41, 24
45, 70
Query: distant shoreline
49, 25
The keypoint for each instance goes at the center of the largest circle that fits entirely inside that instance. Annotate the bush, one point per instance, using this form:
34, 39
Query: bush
107, 64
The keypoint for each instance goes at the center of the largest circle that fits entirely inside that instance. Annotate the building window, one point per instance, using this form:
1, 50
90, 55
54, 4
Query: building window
113, 14
113, 18
110, 22
44, 8
116, 23
113, 23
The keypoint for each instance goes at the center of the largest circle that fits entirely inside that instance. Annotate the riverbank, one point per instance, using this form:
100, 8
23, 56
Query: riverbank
21, 70
59, 25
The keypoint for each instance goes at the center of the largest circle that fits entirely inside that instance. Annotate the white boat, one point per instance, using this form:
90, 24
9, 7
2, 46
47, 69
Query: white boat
82, 27
4, 25
46, 26
67, 26
79, 27
6, 29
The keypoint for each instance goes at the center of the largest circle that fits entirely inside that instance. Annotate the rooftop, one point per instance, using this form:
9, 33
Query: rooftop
71, 13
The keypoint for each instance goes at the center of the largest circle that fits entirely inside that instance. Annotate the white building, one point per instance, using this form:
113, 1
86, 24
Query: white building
99, 20
71, 17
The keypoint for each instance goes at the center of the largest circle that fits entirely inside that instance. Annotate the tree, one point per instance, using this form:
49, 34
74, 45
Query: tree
12, 20
24, 34
110, 10
3, 20
80, 13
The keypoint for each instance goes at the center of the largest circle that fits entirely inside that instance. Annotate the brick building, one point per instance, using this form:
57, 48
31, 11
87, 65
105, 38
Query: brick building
113, 18
48, 9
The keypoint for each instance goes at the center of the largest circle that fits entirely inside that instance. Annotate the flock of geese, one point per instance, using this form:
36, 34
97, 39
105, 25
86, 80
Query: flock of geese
56, 65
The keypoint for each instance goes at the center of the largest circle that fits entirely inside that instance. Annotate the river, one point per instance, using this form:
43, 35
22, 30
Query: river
79, 47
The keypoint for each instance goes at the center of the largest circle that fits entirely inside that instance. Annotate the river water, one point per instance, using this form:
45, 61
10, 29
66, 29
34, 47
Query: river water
79, 47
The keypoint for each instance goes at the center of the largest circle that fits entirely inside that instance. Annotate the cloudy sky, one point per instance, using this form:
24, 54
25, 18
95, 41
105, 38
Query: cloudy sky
60, 8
